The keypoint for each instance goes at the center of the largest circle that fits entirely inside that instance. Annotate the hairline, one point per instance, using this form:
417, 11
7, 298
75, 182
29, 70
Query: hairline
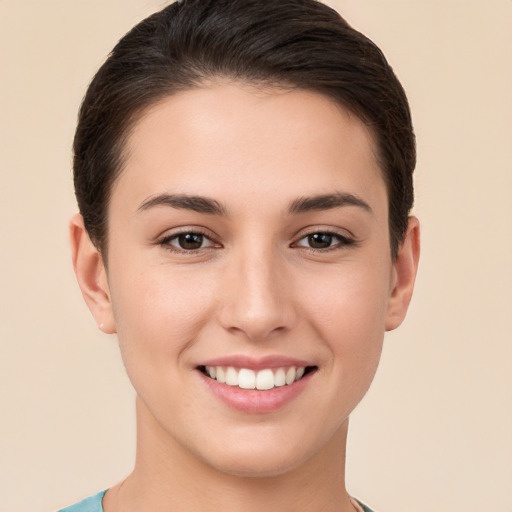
265, 85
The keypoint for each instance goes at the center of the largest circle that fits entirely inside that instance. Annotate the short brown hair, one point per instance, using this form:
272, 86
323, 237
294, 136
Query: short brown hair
292, 43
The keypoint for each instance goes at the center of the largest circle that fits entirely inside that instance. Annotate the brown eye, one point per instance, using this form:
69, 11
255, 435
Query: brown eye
187, 241
324, 240
320, 240
190, 241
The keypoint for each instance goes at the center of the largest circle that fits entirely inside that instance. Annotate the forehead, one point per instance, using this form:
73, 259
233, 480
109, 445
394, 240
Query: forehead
231, 138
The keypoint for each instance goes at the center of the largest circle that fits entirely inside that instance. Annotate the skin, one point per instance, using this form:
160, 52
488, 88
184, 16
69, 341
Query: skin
255, 288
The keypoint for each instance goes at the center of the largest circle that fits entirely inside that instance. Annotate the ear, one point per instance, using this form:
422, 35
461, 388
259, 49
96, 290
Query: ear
404, 275
91, 275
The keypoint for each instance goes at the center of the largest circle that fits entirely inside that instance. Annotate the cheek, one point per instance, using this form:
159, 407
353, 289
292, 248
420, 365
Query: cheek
349, 315
157, 313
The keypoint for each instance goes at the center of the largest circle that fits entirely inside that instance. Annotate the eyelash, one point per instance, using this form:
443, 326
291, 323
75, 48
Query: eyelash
166, 242
342, 241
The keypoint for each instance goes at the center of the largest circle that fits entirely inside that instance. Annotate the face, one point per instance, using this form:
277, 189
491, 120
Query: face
249, 274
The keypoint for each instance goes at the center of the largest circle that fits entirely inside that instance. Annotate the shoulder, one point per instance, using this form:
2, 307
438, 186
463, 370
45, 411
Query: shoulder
91, 504
364, 508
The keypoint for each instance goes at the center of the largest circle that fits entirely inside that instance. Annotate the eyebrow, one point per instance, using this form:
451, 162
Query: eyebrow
327, 202
212, 207
186, 202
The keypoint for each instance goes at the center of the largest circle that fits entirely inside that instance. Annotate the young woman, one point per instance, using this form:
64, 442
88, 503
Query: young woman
243, 170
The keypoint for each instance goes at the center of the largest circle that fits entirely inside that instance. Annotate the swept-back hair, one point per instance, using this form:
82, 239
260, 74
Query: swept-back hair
299, 44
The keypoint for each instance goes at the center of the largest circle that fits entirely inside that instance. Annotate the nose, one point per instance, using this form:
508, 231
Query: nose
257, 299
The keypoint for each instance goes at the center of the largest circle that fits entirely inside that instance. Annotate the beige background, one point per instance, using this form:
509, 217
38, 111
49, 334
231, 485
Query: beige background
435, 431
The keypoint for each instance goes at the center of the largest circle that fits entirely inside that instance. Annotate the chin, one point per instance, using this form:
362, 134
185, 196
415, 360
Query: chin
262, 455
257, 466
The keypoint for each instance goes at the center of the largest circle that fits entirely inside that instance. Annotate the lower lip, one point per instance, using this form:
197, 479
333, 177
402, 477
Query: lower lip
255, 401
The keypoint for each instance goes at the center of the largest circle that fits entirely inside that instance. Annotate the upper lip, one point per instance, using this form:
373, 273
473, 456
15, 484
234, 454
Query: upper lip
256, 363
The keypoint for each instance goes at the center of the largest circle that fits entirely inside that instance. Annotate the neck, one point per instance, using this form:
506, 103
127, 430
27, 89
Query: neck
168, 477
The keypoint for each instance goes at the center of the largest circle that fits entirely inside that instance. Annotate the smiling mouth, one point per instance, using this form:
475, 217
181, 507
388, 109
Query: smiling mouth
262, 380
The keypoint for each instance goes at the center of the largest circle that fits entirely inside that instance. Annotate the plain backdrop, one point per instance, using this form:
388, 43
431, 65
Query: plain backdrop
435, 430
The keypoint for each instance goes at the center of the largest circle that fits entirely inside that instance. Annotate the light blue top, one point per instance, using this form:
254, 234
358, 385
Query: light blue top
365, 507
91, 504
94, 504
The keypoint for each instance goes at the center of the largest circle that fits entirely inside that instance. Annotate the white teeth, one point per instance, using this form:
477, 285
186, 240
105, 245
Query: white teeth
220, 374
265, 380
262, 380
290, 375
246, 379
231, 376
280, 377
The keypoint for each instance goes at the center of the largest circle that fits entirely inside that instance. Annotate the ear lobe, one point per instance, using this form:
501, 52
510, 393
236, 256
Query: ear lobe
404, 271
91, 275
